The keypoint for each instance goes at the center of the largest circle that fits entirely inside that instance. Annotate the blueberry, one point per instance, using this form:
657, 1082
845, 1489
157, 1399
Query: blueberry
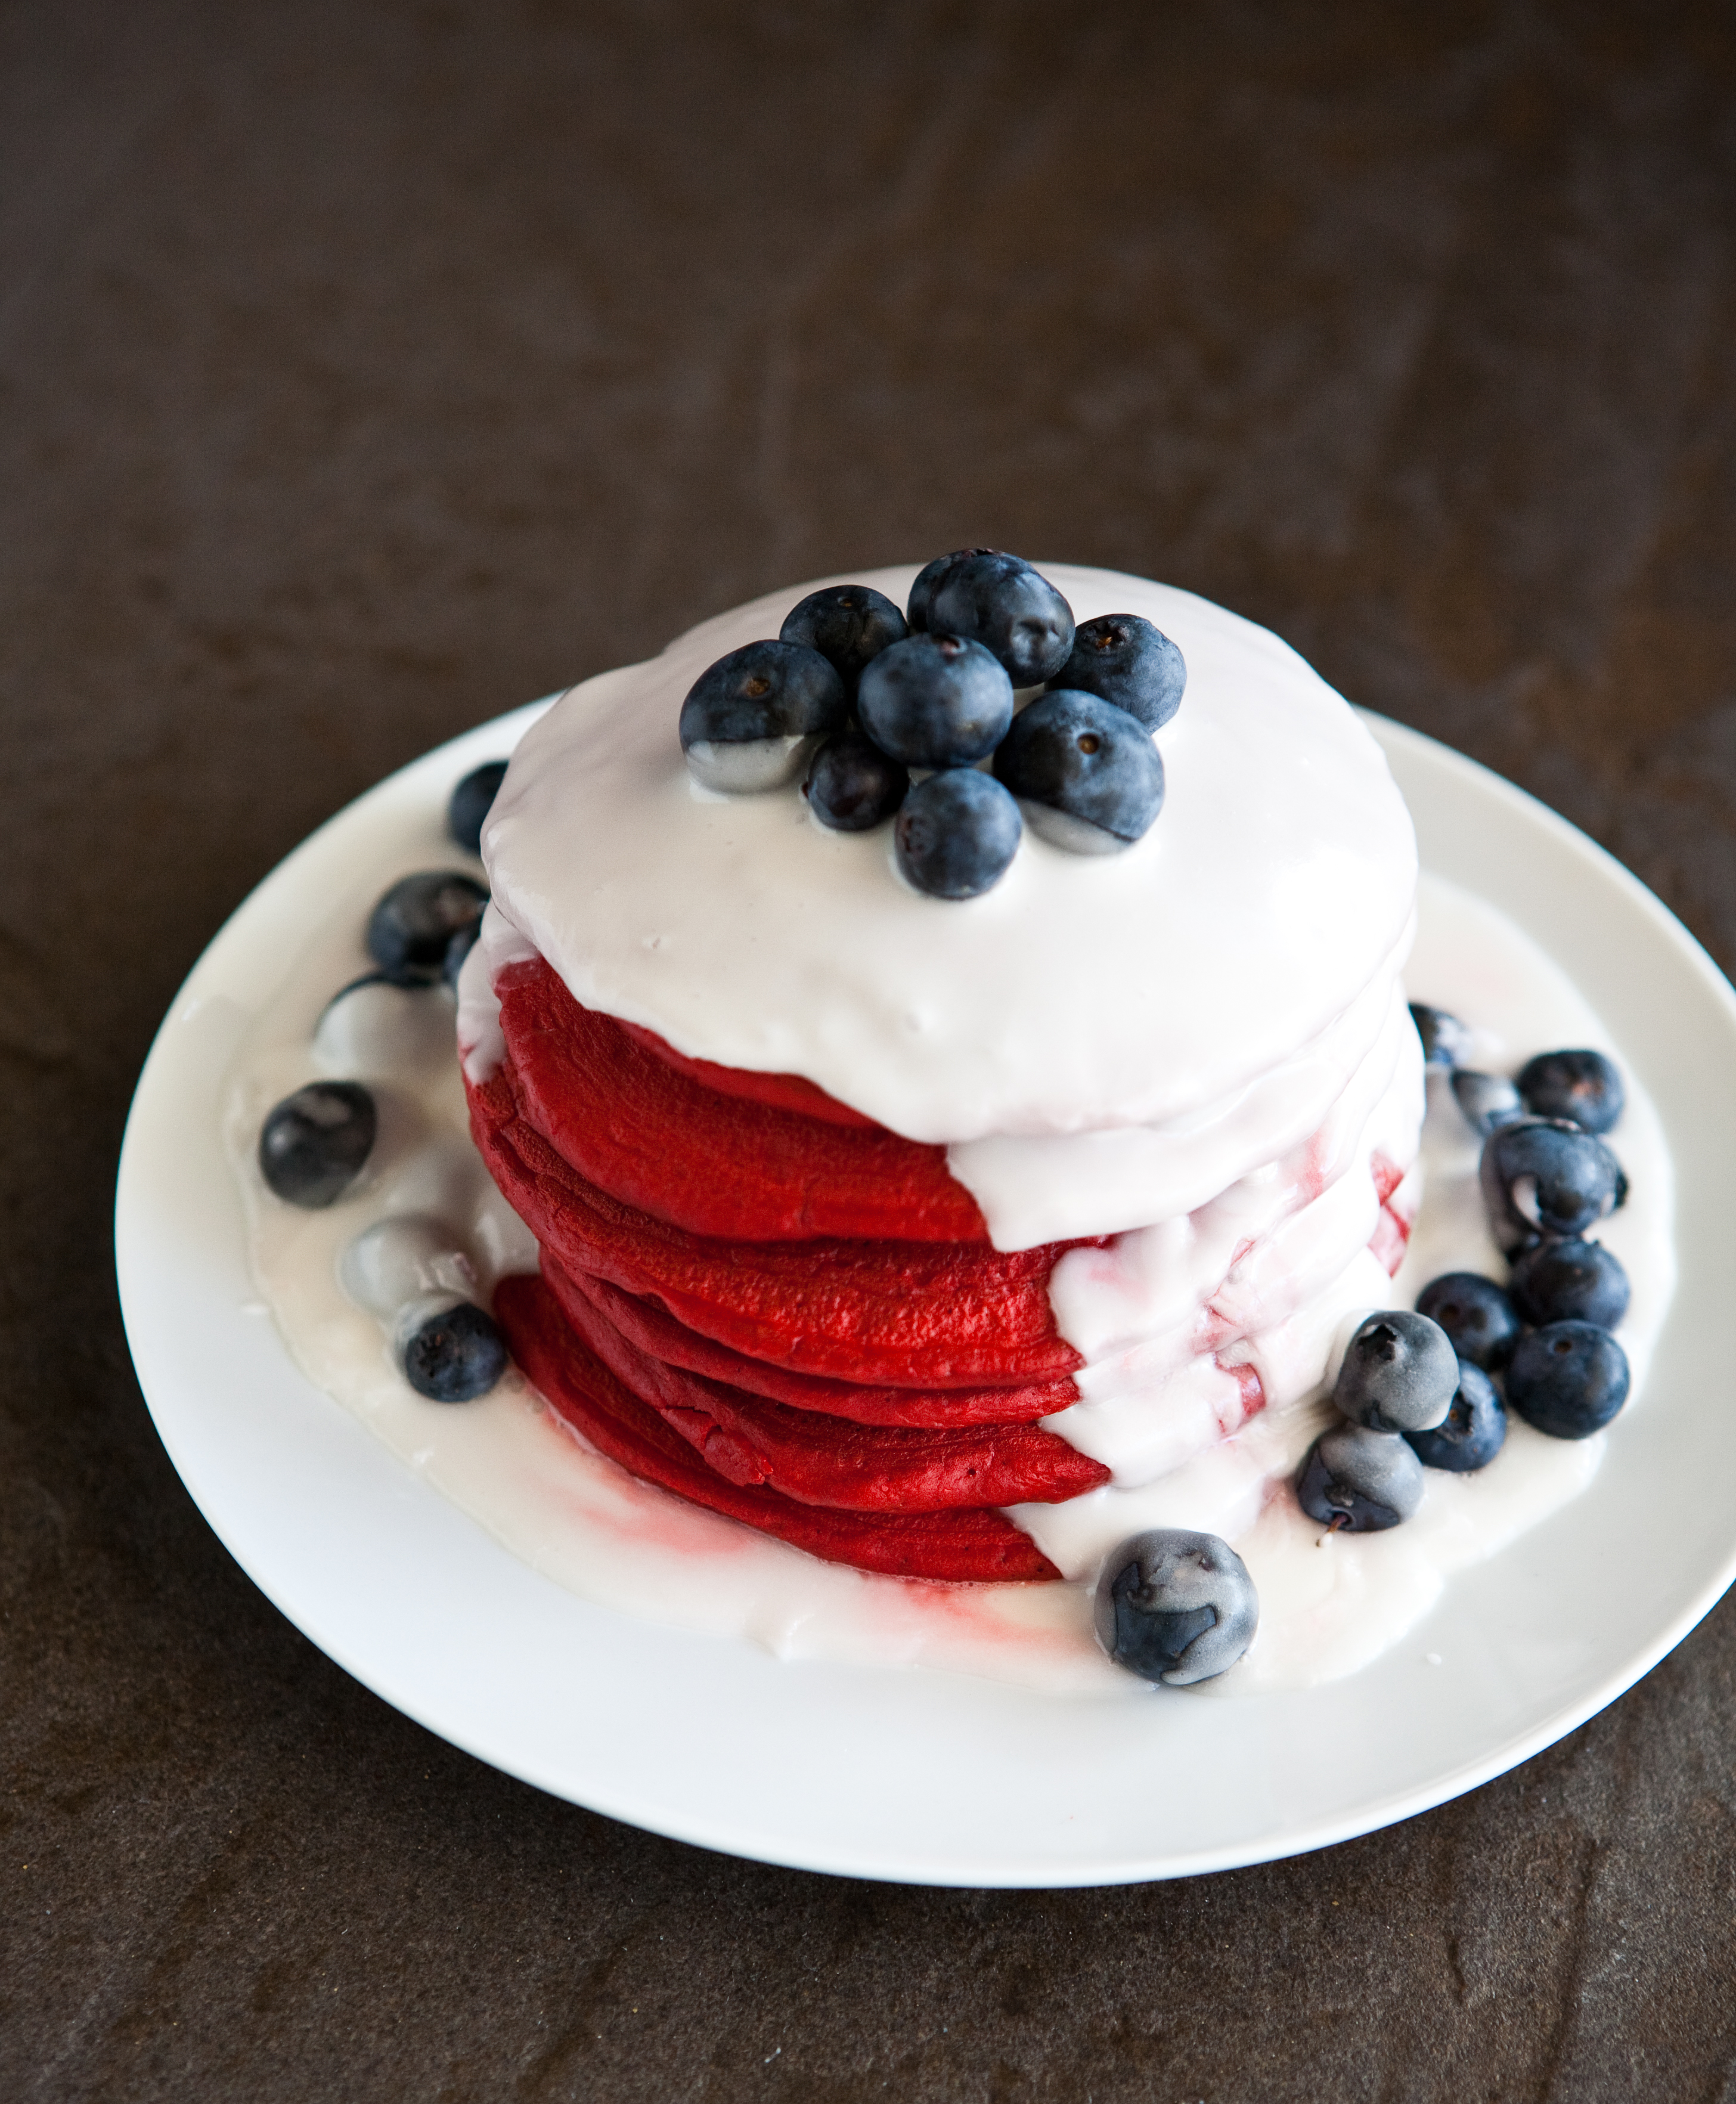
852, 785
1175, 1608
1001, 602
935, 700
927, 582
1486, 1099
1124, 659
1086, 773
1359, 1480
1398, 1373
1584, 1087
402, 1259
1445, 1040
1544, 1175
408, 930
472, 800
1570, 1281
312, 1144
1473, 1431
956, 833
752, 721
1477, 1316
379, 1026
452, 1354
847, 625
1567, 1379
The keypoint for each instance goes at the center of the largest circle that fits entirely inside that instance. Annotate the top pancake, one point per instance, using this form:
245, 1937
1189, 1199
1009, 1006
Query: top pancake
1151, 988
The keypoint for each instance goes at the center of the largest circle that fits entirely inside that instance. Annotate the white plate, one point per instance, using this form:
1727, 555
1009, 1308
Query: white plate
917, 1776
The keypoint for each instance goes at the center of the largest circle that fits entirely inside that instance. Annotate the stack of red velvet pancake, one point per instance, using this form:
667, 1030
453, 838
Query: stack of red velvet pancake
757, 1297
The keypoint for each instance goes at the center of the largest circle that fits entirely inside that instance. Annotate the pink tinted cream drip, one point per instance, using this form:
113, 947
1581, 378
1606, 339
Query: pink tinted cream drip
1192, 1327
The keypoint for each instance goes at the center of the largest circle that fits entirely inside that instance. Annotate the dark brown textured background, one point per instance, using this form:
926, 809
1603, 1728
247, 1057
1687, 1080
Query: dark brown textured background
365, 370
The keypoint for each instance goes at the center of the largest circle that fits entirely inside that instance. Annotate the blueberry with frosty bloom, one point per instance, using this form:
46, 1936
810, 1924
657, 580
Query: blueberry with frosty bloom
852, 785
416, 919
1567, 1379
956, 834
1359, 1480
1398, 1373
1175, 1607
927, 582
451, 1352
935, 700
1570, 1281
1478, 1317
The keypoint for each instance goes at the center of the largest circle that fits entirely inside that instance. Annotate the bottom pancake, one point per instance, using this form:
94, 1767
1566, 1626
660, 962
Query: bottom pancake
972, 1546
828, 1460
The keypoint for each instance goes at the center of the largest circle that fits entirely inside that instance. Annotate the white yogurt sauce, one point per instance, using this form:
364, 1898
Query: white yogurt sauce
1328, 1603
1101, 1042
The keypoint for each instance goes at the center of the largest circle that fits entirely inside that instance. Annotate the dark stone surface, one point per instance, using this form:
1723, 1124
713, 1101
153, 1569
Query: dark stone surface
364, 370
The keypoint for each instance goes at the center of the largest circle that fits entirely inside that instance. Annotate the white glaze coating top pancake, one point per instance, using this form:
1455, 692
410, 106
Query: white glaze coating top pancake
1216, 985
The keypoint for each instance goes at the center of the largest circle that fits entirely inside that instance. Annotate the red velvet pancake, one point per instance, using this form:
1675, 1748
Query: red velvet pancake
829, 1461
896, 1314
972, 1545
631, 1123
649, 1325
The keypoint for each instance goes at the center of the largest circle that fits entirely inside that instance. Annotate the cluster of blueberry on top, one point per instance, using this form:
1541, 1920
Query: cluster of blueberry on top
313, 1146
853, 695
1432, 1388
